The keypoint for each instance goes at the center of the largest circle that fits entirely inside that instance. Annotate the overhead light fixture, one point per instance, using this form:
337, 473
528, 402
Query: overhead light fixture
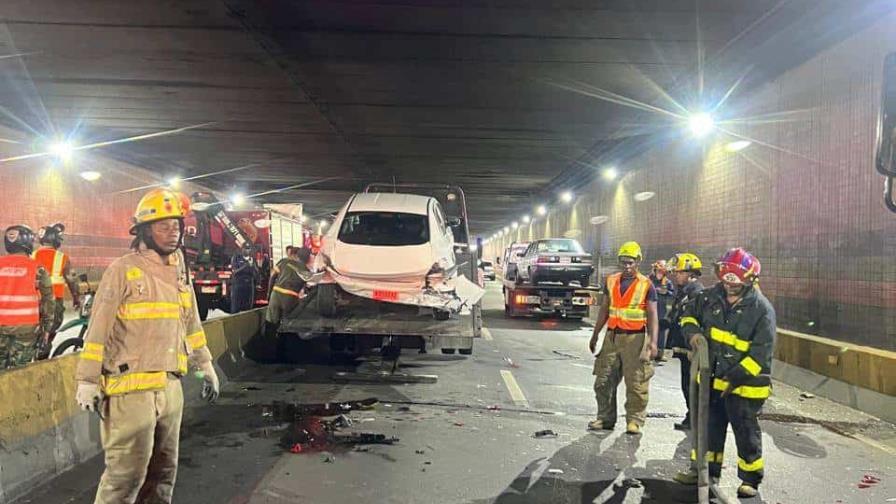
566, 197
174, 182
91, 176
514, 224
599, 219
542, 210
238, 199
527, 219
644, 196
609, 174
302, 218
701, 124
323, 223
739, 145
62, 150
506, 229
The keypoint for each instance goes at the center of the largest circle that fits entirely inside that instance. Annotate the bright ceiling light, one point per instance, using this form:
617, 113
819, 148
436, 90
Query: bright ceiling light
609, 174
644, 196
738, 145
91, 176
514, 224
302, 218
527, 219
506, 229
174, 182
566, 197
62, 149
542, 210
701, 124
323, 223
238, 199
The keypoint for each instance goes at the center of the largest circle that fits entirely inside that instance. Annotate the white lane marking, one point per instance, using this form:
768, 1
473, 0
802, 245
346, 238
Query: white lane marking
516, 393
486, 334
870, 442
586, 366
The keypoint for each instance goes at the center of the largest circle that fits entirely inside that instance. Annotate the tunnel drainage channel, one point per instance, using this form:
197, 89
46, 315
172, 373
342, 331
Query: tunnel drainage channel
846, 429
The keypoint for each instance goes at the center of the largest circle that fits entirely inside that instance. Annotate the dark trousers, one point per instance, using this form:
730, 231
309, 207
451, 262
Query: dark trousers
242, 294
743, 415
685, 371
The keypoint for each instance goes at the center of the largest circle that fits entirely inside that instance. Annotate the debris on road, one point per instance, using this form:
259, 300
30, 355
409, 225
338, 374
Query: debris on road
661, 414
364, 438
510, 362
458, 424
543, 434
252, 387
868, 481
328, 458
807, 395
632, 483
419, 452
296, 448
342, 421
290, 411
494, 407
555, 471
567, 355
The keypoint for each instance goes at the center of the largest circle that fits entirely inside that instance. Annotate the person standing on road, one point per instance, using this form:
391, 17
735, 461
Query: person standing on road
289, 286
144, 329
244, 278
740, 325
630, 314
56, 262
26, 300
665, 292
685, 269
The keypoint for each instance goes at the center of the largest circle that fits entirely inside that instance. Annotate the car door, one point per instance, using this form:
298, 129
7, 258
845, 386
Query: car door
526, 260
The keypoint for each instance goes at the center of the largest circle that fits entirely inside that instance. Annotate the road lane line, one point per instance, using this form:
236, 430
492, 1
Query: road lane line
586, 366
486, 334
516, 393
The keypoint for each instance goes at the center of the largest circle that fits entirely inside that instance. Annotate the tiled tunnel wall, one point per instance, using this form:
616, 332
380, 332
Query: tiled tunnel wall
804, 197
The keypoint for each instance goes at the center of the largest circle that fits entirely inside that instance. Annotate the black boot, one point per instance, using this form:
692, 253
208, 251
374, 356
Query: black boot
684, 425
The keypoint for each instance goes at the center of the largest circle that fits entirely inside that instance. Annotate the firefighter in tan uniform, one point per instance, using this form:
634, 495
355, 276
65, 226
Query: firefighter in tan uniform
143, 331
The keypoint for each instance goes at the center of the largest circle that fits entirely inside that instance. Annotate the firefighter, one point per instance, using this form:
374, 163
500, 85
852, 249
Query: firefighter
143, 332
685, 269
26, 300
243, 279
739, 323
630, 314
665, 292
56, 262
289, 284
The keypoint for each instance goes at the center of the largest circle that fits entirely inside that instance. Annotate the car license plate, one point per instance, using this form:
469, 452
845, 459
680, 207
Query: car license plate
565, 260
209, 290
385, 295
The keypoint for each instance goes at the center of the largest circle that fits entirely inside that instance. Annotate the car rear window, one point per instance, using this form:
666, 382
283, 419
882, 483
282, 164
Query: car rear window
384, 229
485, 263
560, 246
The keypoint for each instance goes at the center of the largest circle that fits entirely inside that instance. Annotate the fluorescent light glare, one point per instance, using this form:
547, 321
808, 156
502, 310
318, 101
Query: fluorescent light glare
238, 199
174, 182
644, 196
738, 145
609, 174
599, 219
566, 197
527, 219
514, 224
91, 176
542, 210
62, 150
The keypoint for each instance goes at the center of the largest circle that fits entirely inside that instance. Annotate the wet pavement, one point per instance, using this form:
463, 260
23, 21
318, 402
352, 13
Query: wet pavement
469, 438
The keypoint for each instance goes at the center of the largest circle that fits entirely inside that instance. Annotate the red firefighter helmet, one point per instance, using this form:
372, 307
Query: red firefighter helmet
737, 266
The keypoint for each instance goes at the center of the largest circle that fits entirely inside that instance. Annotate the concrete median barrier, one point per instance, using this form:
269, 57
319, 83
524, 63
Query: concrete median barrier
42, 431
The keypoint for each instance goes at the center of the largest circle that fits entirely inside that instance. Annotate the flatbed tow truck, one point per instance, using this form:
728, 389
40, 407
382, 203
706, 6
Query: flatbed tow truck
569, 301
363, 325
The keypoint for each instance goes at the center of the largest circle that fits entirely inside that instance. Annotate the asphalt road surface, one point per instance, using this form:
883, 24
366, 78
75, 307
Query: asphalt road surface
469, 437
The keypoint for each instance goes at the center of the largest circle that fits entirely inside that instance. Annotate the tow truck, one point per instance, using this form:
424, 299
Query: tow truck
523, 298
367, 324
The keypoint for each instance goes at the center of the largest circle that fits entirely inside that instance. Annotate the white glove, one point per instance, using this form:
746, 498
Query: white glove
89, 397
210, 385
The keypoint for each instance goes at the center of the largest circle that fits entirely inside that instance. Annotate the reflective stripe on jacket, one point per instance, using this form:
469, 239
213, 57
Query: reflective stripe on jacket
53, 261
628, 311
19, 298
144, 325
741, 339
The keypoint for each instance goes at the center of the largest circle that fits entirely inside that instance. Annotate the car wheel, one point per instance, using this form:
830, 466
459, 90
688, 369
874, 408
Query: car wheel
326, 300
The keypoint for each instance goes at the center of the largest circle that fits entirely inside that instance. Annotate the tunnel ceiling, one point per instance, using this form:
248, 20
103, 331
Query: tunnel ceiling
493, 95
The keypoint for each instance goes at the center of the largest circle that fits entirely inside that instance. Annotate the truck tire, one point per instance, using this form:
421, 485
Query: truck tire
202, 304
326, 300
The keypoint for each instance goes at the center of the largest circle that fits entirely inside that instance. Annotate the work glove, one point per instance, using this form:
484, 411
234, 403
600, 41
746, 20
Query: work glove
90, 398
211, 388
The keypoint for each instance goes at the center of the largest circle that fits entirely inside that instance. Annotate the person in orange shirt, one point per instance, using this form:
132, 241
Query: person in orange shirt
57, 264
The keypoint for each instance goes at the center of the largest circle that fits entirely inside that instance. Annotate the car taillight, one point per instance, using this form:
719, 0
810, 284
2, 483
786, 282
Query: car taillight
548, 259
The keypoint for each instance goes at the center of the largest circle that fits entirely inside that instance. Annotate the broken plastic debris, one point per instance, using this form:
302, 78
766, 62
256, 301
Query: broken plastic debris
510, 362
567, 355
632, 483
296, 448
458, 424
251, 387
807, 395
547, 433
419, 452
342, 421
494, 407
328, 458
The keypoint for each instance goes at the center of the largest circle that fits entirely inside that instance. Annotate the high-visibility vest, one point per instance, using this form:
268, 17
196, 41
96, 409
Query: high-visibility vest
19, 297
628, 310
53, 261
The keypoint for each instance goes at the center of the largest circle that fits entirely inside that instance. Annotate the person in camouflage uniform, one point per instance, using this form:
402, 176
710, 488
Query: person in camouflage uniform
27, 304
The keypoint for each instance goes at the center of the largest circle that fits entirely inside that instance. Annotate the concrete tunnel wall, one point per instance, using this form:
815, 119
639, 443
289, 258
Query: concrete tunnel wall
810, 208
43, 432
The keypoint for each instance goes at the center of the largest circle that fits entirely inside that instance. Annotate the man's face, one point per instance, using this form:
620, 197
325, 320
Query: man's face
733, 289
166, 234
681, 278
628, 265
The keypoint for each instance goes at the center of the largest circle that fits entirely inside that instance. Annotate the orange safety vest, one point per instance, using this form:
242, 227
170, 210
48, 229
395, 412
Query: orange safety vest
53, 261
628, 311
19, 298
